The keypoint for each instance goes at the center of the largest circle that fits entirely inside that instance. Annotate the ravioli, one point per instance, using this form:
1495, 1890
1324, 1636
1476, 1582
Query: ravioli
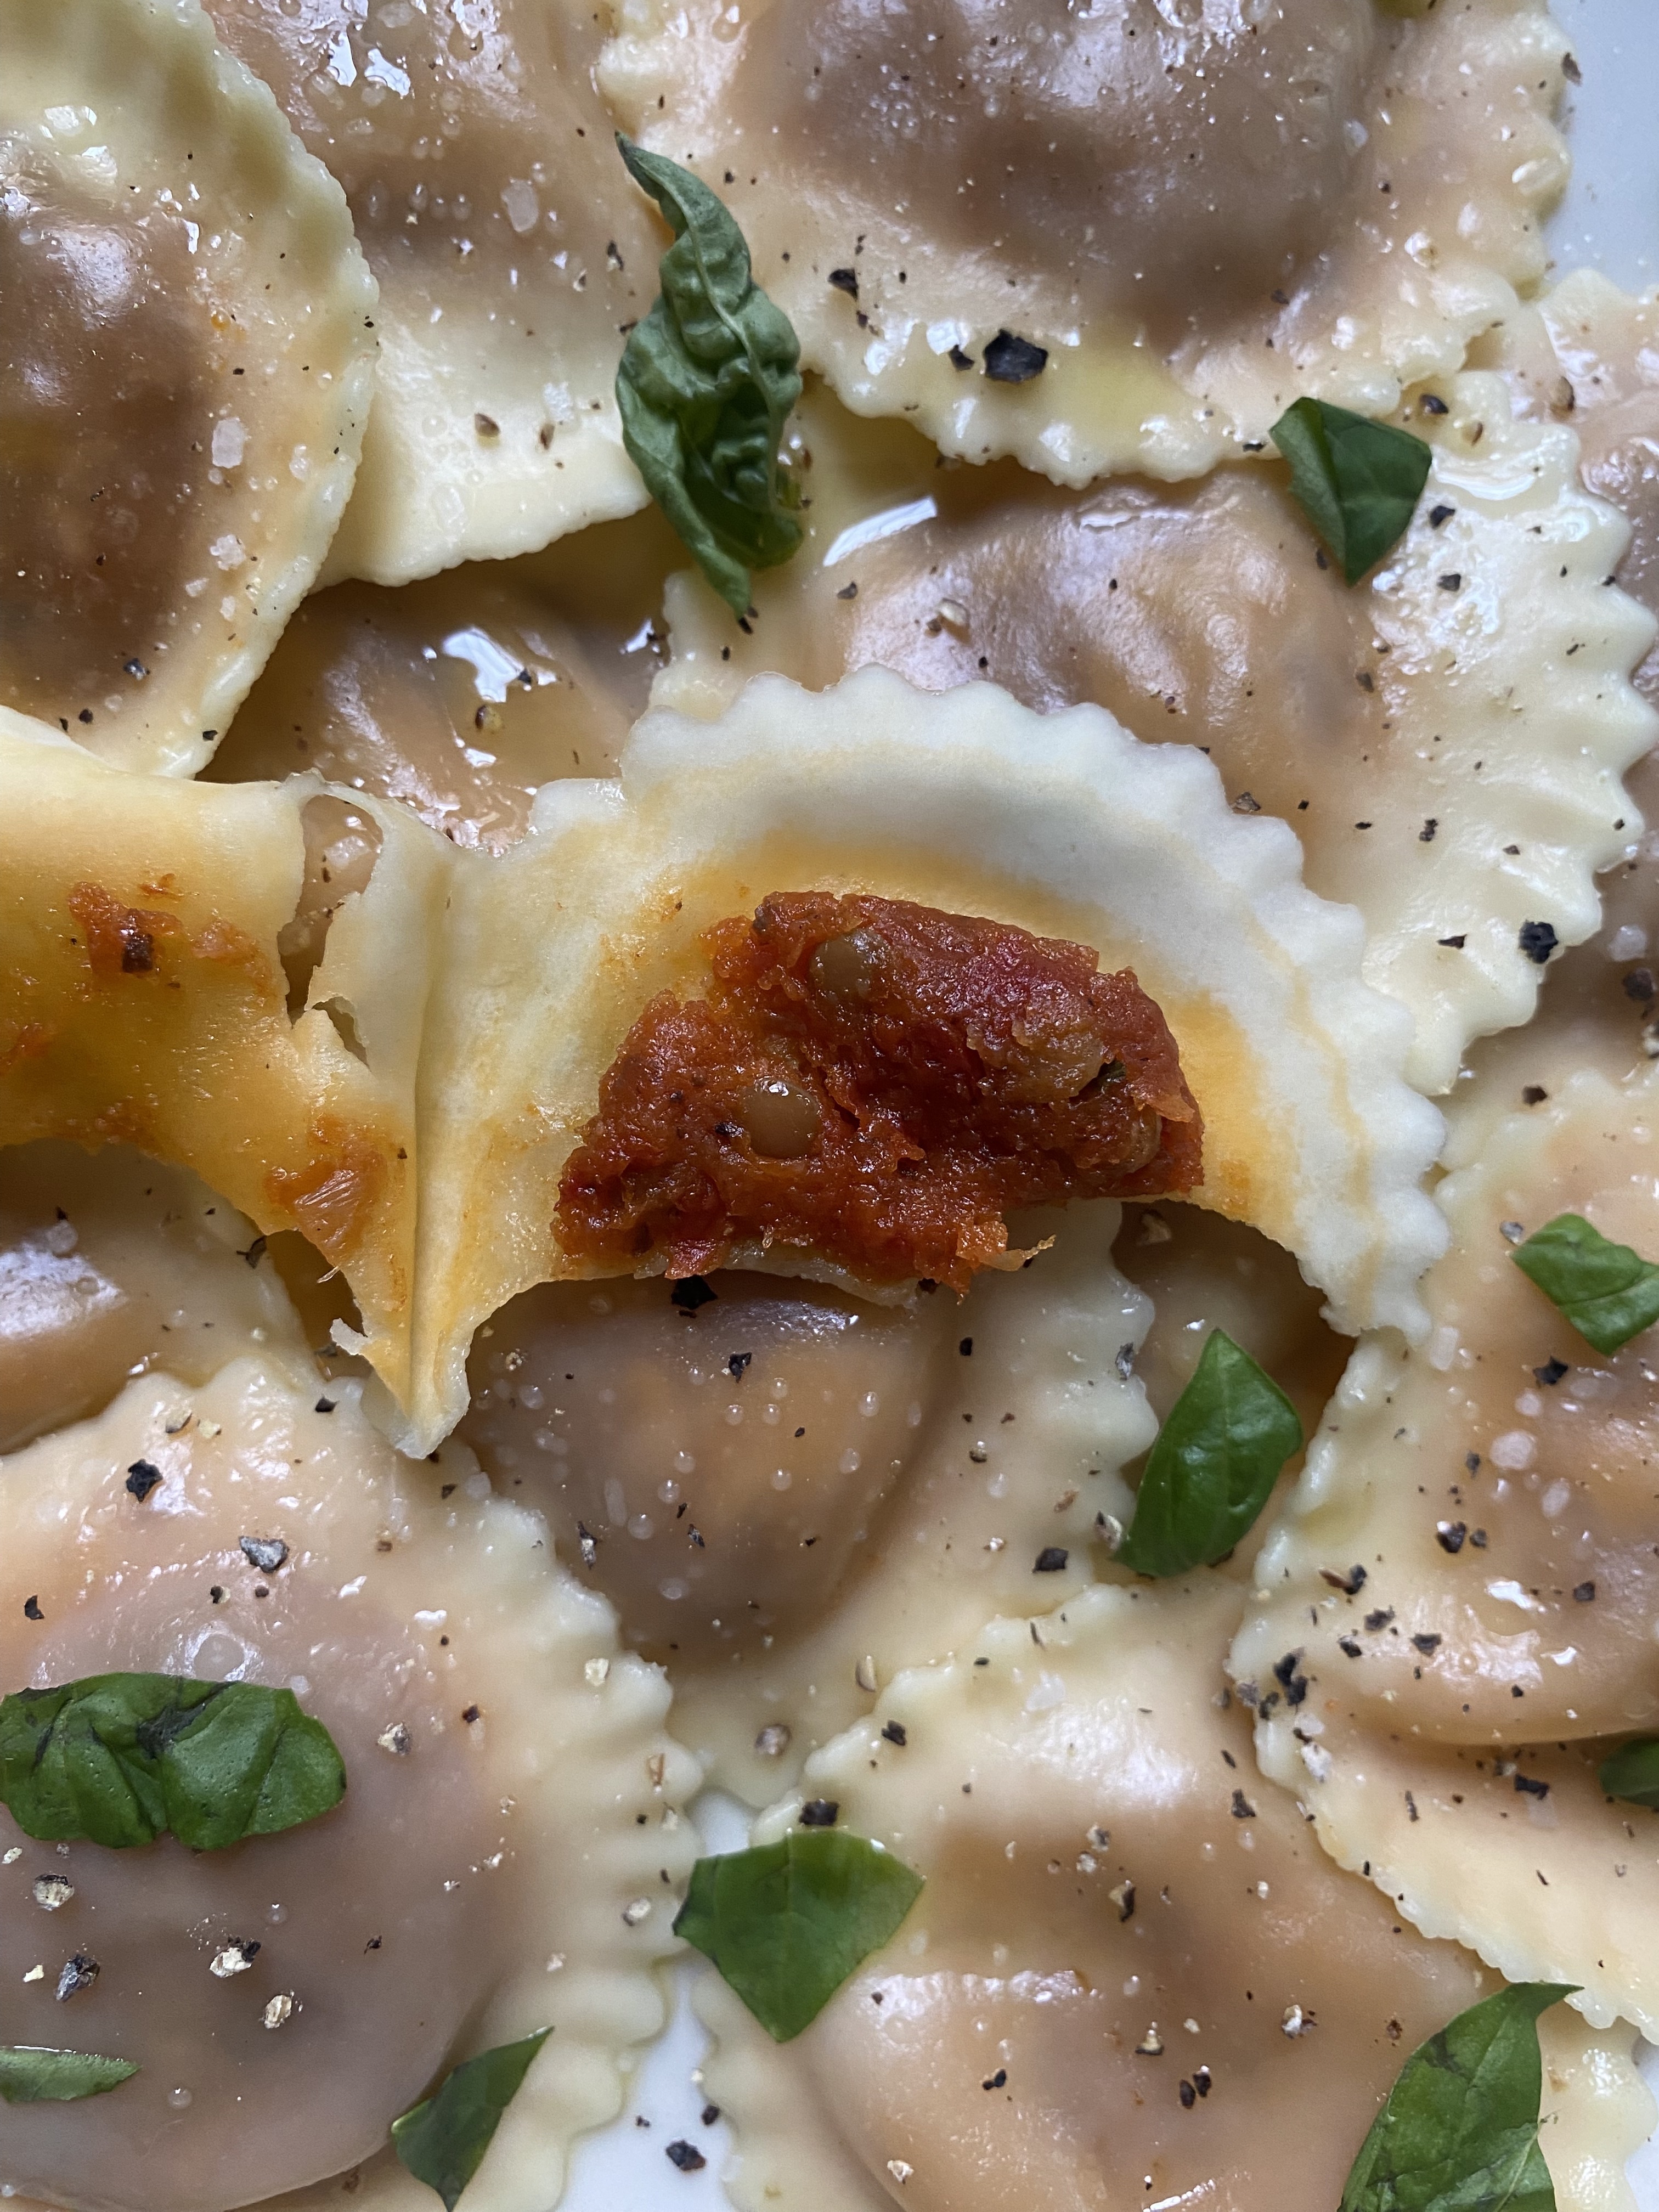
143, 929
789, 1495
511, 255
458, 697
1130, 1974
965, 803
1123, 240
500, 1863
1447, 740
1444, 1716
185, 390
111, 1264
1586, 355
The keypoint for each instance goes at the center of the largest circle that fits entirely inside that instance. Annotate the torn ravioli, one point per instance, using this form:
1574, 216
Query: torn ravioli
1495, 1486
188, 377
1451, 763
968, 804
789, 1494
491, 1732
111, 1263
511, 256
1130, 1961
459, 697
998, 227
232, 979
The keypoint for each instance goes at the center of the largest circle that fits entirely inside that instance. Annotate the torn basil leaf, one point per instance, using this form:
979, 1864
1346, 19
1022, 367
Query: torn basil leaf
705, 387
442, 2141
787, 1922
1608, 1292
122, 1759
1214, 1465
1632, 1772
30, 2074
1357, 481
1459, 2132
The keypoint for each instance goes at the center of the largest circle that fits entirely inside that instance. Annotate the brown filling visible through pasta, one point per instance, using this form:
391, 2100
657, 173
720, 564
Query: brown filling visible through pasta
876, 1082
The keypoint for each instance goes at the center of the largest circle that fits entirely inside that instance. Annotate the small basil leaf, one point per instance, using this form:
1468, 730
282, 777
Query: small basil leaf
119, 1760
1357, 481
787, 1922
1608, 1292
1459, 2132
442, 2141
1214, 1465
32, 2075
705, 387
1632, 1772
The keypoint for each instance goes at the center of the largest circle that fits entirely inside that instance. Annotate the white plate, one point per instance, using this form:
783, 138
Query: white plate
1610, 220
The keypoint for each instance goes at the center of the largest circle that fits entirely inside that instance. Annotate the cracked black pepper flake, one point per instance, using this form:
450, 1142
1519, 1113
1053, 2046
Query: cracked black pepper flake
691, 1292
1411, 1805
847, 592
1551, 1372
1639, 986
710, 2114
1188, 2096
1451, 581
1051, 1559
1425, 1645
1432, 403
1346, 1644
265, 1553
1454, 943
1530, 1786
739, 1365
1450, 1534
588, 1542
1533, 1094
1294, 1684
142, 1478
966, 1347
894, 1732
32, 1609
77, 1974
1438, 516
685, 2155
1012, 360
958, 359
1350, 1581
255, 1252
1584, 1592
472, 1714
1242, 1808
820, 1812
1201, 2079
324, 1406
997, 2081
1538, 941
845, 280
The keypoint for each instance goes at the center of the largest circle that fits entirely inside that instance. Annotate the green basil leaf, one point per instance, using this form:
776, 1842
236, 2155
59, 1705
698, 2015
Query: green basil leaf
1632, 1772
1608, 1292
787, 1922
705, 387
1459, 2132
29, 2075
1214, 1465
122, 1759
1357, 481
442, 2141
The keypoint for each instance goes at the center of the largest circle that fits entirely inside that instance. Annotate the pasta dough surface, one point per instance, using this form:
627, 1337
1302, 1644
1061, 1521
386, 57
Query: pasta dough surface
182, 398
511, 253
1192, 213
